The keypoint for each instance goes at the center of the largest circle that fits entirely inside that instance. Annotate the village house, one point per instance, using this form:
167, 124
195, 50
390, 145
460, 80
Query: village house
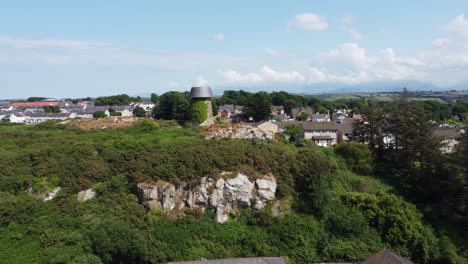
229, 111
148, 106
339, 114
268, 126
277, 110
226, 111
451, 137
320, 117
324, 134
296, 112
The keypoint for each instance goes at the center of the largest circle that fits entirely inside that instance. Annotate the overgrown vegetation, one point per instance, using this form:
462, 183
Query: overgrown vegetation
329, 213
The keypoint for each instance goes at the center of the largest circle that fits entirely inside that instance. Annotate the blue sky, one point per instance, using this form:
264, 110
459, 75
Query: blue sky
92, 48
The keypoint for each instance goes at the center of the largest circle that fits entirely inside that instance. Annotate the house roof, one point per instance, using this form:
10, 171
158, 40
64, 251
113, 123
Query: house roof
386, 257
319, 116
447, 133
297, 111
284, 124
266, 260
35, 104
319, 126
345, 127
347, 120
228, 108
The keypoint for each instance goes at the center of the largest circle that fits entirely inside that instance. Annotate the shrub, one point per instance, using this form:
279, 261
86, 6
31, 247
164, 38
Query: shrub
357, 156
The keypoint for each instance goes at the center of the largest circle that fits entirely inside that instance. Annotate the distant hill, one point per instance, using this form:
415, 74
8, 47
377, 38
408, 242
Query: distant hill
372, 87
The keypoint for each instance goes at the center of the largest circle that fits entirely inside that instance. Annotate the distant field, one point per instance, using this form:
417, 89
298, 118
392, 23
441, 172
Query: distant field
334, 97
375, 96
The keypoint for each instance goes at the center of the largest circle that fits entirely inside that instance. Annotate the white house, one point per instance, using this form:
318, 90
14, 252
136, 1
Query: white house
324, 134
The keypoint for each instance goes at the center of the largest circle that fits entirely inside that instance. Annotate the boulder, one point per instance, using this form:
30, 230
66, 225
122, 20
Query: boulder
266, 188
239, 189
51, 195
86, 195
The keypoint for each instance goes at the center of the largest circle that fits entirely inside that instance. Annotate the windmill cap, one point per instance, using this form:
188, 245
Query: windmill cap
201, 92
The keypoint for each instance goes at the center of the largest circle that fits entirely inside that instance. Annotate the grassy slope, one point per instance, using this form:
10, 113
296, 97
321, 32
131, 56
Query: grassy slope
16, 141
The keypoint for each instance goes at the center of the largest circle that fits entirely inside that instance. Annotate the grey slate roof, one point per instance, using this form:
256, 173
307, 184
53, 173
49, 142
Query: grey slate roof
265, 260
228, 108
447, 133
319, 126
284, 124
386, 257
297, 111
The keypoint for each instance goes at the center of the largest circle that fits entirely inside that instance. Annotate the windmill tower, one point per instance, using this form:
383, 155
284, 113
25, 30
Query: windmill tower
204, 94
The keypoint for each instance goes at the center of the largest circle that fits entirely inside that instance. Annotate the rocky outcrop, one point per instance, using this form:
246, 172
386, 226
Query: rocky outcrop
85, 195
240, 132
51, 195
223, 195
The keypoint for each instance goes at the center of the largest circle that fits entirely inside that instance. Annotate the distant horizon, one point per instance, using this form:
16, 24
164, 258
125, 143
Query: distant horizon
218, 93
98, 48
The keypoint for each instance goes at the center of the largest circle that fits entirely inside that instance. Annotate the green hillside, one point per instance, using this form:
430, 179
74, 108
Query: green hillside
329, 213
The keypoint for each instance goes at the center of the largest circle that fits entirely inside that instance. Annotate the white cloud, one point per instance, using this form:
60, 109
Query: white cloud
91, 54
265, 75
200, 81
50, 43
288, 76
352, 55
441, 42
355, 34
271, 52
350, 63
232, 76
308, 22
218, 36
173, 84
458, 25
347, 19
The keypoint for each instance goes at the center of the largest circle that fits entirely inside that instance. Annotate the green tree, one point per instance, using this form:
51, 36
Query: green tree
302, 117
294, 132
139, 112
357, 156
259, 106
154, 98
369, 129
398, 222
99, 114
51, 109
173, 106
112, 112
118, 242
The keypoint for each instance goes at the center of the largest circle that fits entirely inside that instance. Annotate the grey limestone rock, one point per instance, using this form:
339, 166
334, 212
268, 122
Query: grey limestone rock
85, 195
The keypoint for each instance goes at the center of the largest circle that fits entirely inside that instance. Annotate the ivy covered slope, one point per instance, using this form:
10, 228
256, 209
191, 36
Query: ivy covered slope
328, 213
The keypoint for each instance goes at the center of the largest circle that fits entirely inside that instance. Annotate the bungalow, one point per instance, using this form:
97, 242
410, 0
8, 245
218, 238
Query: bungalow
228, 111
277, 110
148, 106
320, 118
345, 131
339, 114
451, 137
17, 118
124, 110
34, 118
324, 134
268, 126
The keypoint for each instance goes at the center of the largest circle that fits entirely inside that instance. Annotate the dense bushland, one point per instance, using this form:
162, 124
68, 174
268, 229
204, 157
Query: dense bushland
329, 213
